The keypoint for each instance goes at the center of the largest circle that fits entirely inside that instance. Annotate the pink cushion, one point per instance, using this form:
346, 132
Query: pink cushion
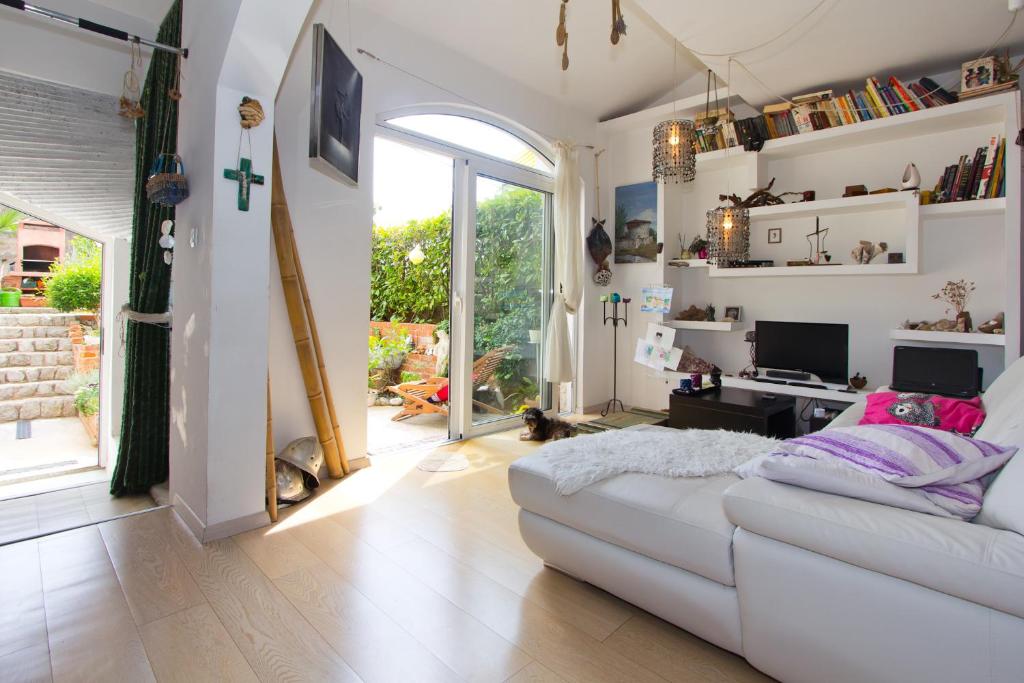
963, 416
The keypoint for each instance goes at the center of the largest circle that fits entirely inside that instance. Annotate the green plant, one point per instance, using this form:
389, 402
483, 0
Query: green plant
74, 282
86, 389
9, 221
410, 376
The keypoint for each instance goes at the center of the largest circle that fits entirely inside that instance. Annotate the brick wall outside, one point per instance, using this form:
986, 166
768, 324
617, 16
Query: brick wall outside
420, 361
86, 356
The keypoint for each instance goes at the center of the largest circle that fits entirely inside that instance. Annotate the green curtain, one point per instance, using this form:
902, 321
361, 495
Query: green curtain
142, 459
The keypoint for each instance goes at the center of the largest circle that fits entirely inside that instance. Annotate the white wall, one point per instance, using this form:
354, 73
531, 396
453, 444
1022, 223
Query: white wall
332, 221
951, 249
47, 49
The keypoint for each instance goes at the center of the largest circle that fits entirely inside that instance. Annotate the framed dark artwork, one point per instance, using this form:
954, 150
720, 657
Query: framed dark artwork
335, 110
774, 235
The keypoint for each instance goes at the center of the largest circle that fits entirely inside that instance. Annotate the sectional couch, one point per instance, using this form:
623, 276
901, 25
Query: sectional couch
808, 586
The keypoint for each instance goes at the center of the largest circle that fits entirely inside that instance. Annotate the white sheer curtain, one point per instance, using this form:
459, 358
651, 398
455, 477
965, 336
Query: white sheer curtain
558, 366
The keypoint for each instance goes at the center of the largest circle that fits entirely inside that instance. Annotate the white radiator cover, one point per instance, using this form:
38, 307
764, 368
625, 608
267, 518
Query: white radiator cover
66, 151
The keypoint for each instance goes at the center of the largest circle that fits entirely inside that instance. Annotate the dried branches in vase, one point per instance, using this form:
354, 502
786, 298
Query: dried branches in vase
956, 294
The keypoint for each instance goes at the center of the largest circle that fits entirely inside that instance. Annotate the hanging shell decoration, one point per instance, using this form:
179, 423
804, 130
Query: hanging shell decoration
562, 35
128, 105
251, 112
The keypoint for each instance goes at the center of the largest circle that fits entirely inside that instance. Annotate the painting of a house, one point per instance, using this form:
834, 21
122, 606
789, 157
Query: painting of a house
636, 223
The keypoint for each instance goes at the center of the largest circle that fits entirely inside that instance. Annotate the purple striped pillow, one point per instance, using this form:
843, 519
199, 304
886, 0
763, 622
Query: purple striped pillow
948, 469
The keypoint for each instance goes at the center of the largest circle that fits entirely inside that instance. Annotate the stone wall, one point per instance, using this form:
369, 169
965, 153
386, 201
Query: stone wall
421, 361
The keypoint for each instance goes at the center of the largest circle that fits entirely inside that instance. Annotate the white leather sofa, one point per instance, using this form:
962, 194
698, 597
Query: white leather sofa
807, 586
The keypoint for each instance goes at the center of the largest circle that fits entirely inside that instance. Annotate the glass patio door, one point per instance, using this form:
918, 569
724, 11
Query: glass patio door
505, 296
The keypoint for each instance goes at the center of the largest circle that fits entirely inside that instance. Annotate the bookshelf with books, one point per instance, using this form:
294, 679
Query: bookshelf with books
976, 238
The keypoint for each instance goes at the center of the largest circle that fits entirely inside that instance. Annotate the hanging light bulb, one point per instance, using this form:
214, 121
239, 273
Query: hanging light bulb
416, 255
728, 235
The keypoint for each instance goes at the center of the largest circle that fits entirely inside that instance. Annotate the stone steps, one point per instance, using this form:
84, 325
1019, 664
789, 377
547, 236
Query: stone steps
33, 390
36, 319
35, 344
21, 375
32, 332
25, 310
36, 408
35, 359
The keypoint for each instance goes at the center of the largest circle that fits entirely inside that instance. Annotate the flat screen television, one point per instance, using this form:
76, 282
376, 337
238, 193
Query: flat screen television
822, 349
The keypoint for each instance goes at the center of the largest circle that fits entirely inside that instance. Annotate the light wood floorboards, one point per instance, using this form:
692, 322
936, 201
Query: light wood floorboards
390, 575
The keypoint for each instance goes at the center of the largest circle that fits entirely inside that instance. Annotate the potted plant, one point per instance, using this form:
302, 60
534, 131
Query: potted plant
86, 389
10, 297
956, 294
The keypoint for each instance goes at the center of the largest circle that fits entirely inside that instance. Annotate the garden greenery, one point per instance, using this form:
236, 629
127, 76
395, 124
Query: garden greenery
85, 387
74, 282
509, 278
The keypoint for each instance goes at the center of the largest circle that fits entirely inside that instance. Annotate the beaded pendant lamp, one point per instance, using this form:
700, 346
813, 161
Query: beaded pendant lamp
728, 235
674, 159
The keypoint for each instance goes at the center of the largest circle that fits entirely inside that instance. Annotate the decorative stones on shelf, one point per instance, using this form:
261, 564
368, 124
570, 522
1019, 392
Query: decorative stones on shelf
996, 325
693, 313
865, 251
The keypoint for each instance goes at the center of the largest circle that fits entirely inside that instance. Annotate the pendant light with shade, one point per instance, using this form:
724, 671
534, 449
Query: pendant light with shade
673, 156
416, 255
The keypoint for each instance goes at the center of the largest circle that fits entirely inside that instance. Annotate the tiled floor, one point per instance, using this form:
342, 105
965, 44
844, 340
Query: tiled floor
392, 574
384, 436
56, 445
49, 512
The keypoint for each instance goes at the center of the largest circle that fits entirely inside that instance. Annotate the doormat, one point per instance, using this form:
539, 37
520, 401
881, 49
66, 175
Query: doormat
623, 419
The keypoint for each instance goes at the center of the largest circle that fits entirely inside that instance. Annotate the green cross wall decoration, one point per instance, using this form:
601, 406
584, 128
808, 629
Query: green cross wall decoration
245, 177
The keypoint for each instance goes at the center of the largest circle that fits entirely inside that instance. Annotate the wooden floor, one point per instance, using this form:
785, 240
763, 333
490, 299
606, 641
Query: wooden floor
390, 575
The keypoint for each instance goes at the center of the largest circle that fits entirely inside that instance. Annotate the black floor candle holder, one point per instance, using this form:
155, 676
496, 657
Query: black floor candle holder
615, 320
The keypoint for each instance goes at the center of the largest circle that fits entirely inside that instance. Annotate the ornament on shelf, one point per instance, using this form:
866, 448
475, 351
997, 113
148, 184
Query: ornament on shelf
911, 178
996, 325
858, 381
865, 251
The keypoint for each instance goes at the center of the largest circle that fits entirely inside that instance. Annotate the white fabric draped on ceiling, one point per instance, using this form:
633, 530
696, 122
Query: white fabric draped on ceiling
558, 366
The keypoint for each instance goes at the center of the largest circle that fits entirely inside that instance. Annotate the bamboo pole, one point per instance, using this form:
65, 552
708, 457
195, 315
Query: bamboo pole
271, 473
281, 223
324, 380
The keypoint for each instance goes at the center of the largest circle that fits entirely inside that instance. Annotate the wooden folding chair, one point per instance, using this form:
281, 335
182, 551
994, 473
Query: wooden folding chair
416, 395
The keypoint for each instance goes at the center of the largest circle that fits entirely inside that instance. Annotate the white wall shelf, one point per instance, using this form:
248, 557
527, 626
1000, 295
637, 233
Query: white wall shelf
817, 271
716, 326
782, 389
975, 207
889, 201
687, 263
970, 338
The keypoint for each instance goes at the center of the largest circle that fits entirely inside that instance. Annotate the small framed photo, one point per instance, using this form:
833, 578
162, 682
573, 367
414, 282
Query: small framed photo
732, 314
978, 73
896, 257
774, 235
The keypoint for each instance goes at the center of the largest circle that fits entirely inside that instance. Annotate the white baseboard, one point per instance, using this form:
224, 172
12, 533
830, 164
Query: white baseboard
222, 529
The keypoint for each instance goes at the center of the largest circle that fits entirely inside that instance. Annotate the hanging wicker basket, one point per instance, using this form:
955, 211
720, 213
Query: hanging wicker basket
167, 185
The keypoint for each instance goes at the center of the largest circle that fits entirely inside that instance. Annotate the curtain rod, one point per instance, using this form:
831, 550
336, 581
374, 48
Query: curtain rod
92, 26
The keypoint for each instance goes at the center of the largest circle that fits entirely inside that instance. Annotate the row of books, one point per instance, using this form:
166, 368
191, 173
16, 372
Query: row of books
980, 177
818, 110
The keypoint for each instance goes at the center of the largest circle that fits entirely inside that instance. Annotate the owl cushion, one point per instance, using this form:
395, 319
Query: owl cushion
962, 416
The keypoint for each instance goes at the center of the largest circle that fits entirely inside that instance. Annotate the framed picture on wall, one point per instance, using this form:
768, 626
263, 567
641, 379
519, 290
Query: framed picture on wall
335, 110
732, 314
636, 223
774, 235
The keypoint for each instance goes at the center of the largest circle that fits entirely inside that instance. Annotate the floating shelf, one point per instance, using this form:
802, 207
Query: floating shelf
972, 208
818, 271
889, 201
970, 338
687, 263
718, 326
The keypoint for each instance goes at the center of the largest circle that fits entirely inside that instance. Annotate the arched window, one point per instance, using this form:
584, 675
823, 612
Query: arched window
475, 135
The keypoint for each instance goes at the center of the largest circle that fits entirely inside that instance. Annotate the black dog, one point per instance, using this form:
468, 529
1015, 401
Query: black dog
539, 427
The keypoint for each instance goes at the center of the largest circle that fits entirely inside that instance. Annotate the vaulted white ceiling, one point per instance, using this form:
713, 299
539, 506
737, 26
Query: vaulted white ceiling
517, 39
834, 42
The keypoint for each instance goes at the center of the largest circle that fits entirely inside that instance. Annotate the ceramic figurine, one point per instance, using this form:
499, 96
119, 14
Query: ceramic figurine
911, 178
994, 326
865, 251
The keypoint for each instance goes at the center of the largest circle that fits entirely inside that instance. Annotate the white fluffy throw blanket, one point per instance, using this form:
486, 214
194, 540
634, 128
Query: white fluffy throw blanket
578, 462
